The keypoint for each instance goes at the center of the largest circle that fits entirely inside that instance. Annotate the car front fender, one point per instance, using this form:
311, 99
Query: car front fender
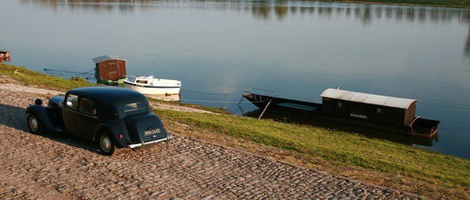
42, 113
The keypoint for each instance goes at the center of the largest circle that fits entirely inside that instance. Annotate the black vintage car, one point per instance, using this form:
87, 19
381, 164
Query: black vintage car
112, 116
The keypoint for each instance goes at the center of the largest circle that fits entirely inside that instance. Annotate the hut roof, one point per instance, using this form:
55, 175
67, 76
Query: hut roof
368, 98
107, 57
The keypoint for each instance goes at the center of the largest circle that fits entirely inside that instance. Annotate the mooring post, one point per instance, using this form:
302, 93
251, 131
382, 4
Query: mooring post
265, 108
411, 124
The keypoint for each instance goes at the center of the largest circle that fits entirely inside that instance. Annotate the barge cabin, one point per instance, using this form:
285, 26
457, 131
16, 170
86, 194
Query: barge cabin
369, 107
110, 69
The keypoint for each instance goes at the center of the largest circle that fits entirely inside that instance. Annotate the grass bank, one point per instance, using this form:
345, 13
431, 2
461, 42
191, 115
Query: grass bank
29, 77
374, 161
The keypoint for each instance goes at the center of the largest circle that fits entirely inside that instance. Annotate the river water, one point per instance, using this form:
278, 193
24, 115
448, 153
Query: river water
298, 49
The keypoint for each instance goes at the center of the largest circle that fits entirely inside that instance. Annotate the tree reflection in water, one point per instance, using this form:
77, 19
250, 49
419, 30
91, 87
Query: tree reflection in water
278, 10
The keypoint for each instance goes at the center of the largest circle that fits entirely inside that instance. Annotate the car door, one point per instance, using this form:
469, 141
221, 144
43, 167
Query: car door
70, 113
87, 118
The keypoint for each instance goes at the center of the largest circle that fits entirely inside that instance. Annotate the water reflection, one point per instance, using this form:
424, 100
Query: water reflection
268, 10
467, 45
276, 10
163, 97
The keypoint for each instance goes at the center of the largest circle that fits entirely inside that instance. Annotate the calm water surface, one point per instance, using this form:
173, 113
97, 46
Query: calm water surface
298, 49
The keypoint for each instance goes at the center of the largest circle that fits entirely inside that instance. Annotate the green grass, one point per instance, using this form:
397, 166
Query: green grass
376, 161
436, 174
29, 77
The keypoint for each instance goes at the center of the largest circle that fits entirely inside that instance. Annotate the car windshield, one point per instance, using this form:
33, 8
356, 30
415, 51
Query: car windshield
135, 107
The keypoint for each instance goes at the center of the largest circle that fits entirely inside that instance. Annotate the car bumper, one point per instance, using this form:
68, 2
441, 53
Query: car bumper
150, 142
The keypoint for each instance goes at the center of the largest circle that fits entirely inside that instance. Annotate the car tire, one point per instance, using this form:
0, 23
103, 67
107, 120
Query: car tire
34, 124
106, 145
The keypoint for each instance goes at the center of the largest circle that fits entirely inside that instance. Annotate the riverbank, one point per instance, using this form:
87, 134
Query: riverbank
52, 167
374, 161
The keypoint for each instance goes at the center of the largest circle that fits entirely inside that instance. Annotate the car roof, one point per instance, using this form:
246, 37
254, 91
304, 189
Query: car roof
109, 94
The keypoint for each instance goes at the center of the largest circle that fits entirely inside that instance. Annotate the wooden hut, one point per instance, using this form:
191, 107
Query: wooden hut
368, 107
109, 69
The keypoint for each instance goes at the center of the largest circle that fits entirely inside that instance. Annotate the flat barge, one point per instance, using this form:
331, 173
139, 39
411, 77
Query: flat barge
354, 108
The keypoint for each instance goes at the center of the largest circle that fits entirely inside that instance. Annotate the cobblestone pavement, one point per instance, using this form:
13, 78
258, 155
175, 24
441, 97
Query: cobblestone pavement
49, 167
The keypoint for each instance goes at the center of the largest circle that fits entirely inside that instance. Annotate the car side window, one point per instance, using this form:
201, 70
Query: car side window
87, 106
71, 101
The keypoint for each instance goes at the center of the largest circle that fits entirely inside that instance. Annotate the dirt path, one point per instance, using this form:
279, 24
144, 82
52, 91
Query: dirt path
48, 167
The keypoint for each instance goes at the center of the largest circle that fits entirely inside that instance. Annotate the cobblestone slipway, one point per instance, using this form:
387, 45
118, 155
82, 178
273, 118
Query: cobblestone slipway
48, 167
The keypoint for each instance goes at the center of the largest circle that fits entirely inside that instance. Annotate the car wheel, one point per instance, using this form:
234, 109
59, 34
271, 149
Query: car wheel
34, 124
106, 145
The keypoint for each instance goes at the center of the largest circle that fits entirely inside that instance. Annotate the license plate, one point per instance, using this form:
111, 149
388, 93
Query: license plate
152, 132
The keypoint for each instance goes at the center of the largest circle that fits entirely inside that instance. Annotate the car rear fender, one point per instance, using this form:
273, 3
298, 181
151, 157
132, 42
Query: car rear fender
42, 113
113, 132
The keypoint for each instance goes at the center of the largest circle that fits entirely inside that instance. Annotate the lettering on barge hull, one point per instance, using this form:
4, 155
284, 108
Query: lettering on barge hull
358, 115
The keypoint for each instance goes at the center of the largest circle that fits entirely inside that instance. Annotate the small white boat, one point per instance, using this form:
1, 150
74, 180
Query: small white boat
152, 85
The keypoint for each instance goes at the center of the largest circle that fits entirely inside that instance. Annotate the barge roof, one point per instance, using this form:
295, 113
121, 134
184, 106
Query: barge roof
365, 98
